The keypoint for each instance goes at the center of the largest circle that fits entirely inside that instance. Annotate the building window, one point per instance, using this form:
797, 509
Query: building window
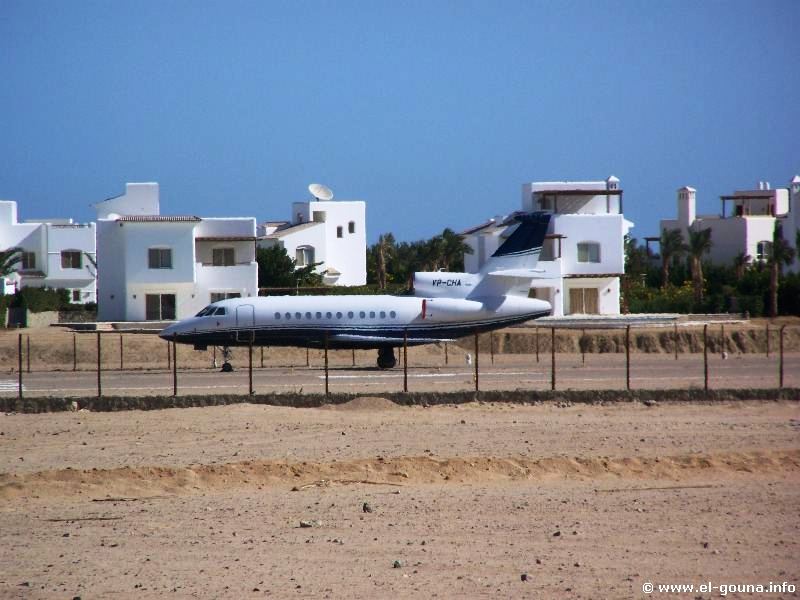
339, 231
28, 261
217, 296
351, 227
763, 250
304, 256
159, 258
160, 307
70, 259
545, 203
223, 257
318, 216
76, 295
588, 252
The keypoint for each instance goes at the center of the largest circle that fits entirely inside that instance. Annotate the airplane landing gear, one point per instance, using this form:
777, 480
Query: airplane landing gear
227, 354
386, 359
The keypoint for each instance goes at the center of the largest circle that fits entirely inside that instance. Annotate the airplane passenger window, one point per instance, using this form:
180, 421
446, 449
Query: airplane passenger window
319, 315
219, 311
308, 315
362, 314
277, 315
383, 314
297, 315
393, 314
338, 315
288, 315
372, 314
350, 314
329, 315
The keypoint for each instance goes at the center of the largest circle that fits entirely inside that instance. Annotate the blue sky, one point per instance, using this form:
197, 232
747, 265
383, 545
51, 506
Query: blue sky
433, 112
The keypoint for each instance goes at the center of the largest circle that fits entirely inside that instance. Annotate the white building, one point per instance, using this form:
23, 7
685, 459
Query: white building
746, 223
583, 256
332, 233
56, 253
155, 267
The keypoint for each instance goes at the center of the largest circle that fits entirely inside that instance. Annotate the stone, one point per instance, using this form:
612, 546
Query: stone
524, 577
397, 564
366, 507
310, 523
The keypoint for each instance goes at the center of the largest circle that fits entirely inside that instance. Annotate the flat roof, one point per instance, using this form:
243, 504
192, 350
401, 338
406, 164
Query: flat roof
158, 219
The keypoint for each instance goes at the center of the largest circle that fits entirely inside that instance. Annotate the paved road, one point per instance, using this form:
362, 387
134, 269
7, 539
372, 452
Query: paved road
509, 372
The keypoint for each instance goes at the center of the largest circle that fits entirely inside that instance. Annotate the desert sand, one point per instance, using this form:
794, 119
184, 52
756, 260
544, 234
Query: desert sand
470, 501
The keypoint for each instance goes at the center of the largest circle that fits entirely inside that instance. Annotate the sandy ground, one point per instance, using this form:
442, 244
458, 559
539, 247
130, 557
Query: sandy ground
586, 501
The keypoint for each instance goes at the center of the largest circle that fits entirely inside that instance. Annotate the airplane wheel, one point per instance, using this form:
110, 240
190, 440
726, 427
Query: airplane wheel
227, 367
386, 359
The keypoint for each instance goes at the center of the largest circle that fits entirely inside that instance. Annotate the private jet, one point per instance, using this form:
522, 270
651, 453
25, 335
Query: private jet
444, 306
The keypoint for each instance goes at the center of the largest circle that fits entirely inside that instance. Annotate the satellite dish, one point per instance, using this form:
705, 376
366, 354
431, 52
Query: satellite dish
320, 192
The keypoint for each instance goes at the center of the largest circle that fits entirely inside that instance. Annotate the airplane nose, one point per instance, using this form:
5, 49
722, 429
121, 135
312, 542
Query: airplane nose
167, 332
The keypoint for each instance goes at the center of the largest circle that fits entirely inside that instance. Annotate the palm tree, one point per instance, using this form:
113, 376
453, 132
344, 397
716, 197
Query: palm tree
453, 250
699, 244
782, 254
672, 246
8, 260
740, 262
384, 252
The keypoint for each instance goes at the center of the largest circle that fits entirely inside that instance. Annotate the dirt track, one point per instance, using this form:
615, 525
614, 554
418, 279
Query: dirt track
588, 501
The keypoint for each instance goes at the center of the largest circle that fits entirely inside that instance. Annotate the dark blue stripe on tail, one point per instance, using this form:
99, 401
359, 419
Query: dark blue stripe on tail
528, 236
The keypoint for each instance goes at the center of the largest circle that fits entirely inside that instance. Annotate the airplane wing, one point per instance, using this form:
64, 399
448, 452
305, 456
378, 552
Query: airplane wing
380, 339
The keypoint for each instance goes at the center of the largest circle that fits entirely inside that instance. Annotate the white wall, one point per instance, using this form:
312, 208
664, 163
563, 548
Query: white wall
138, 199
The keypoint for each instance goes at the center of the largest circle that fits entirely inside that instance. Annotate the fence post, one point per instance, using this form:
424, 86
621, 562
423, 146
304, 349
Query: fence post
676, 341
174, 364
446, 358
19, 369
28, 352
250, 365
74, 353
780, 361
121, 353
582, 344
491, 346
476, 360
354, 357
169, 357
405, 360
722, 341
262, 356
705, 357
627, 357
537, 344
308, 358
99, 368
767, 340
553, 358
326, 363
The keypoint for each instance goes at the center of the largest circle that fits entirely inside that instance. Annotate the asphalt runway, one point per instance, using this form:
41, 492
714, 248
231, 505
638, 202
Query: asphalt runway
508, 372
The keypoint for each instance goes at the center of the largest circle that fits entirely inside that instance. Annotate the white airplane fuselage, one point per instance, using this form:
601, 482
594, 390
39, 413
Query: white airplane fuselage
350, 321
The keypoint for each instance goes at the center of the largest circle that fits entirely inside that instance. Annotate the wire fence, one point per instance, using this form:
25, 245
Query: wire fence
63, 363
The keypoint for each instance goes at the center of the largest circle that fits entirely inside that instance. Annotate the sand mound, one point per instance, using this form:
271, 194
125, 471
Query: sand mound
149, 481
363, 403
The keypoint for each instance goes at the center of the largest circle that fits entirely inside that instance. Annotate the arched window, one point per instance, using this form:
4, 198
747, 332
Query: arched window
304, 256
588, 252
763, 250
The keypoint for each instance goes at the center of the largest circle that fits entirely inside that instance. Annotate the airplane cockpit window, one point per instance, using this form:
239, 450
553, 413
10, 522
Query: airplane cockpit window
208, 310
220, 311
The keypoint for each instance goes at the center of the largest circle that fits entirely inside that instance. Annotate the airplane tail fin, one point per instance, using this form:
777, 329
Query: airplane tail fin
510, 270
